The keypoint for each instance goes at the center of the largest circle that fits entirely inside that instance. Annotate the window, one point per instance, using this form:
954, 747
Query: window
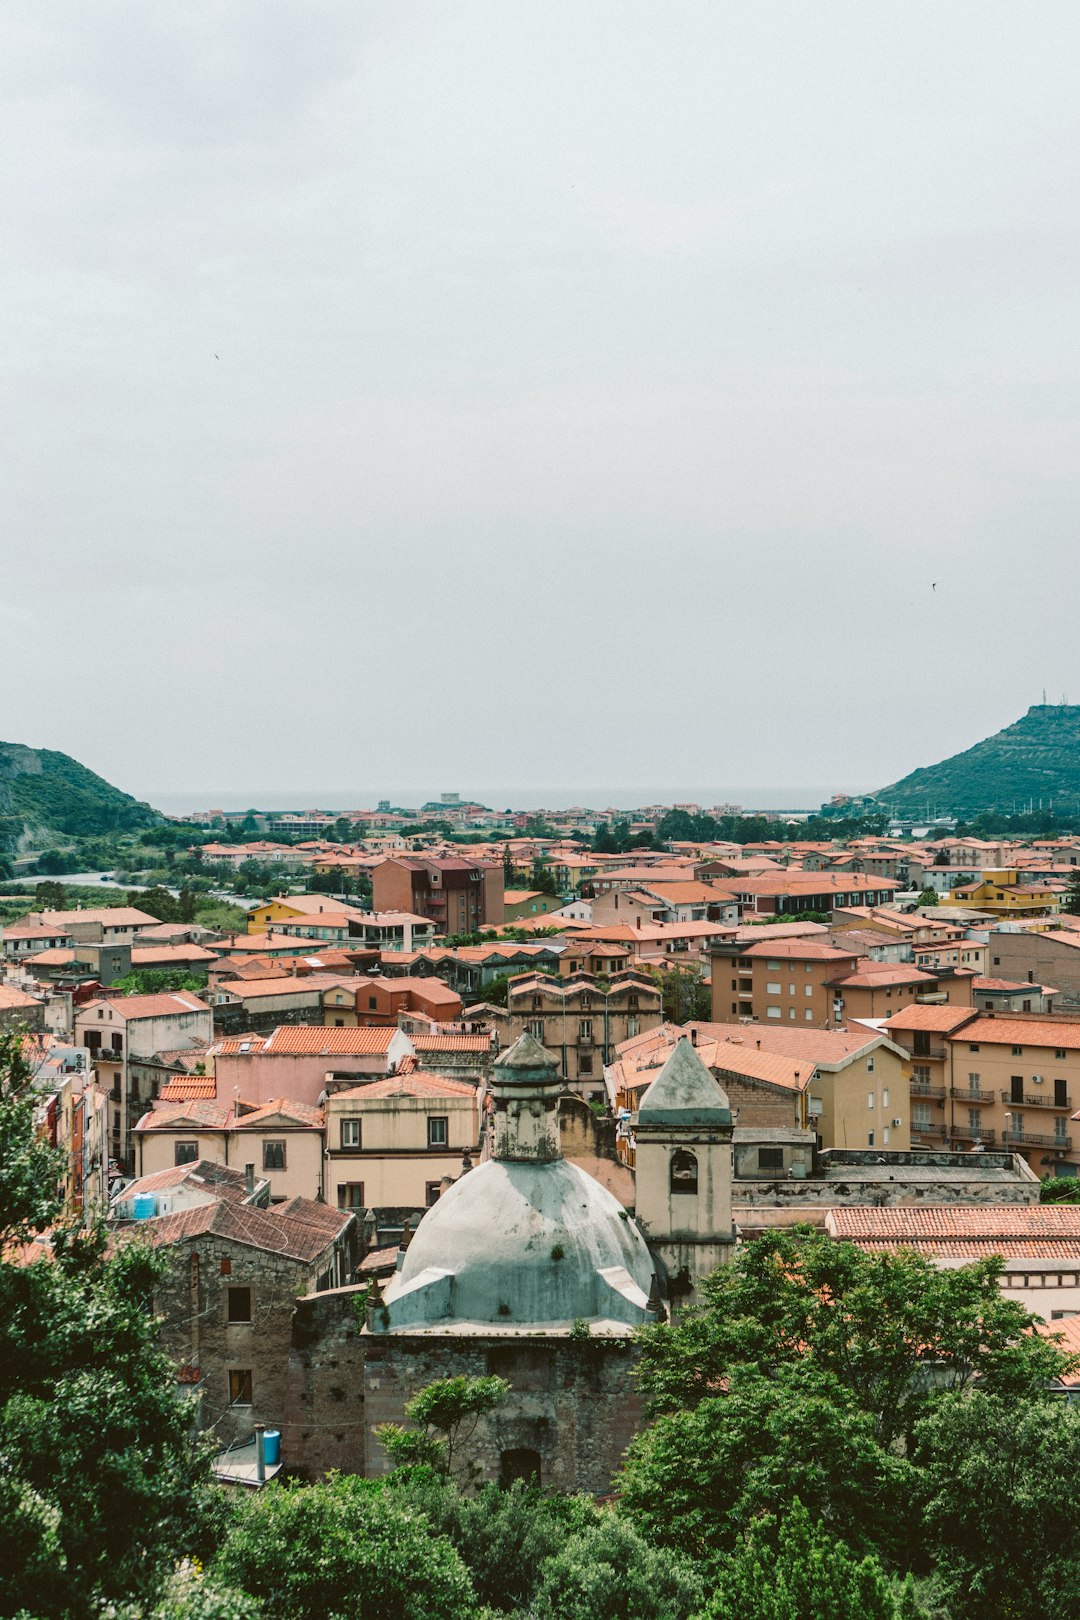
226, 1268
885, 1135
920, 1074
772, 989
770, 1158
870, 1065
1060, 1052
772, 1012
920, 1116
973, 1048
869, 1099
438, 1130
350, 1133
885, 1097
240, 1386
808, 989
239, 1301
521, 1463
869, 1138
372, 1002
809, 1015
273, 1155
633, 1025
187, 1152
585, 1063
684, 1172
350, 1195
1018, 1051
585, 1029
432, 1191
535, 1028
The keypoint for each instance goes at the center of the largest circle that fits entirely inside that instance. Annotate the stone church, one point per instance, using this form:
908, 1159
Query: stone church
528, 1268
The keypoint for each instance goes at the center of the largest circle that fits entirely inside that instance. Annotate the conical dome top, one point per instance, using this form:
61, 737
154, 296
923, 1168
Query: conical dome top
684, 1093
526, 1062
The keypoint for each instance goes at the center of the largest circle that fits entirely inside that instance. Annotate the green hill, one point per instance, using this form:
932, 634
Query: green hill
46, 796
1037, 759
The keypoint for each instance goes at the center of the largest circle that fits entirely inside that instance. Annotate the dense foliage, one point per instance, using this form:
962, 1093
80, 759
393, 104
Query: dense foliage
43, 789
1034, 762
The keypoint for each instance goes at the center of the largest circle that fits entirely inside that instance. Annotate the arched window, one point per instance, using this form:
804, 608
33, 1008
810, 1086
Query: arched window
683, 1172
519, 1464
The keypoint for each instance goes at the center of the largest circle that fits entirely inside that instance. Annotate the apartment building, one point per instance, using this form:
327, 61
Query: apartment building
393, 1144
1048, 956
117, 1029
459, 896
991, 1080
581, 1019
782, 980
283, 1140
303, 1061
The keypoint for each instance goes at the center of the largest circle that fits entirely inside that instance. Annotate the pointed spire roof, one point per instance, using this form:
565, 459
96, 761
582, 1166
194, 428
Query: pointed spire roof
684, 1093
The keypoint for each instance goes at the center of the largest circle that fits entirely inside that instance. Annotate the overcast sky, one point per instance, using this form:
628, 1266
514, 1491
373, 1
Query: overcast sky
535, 394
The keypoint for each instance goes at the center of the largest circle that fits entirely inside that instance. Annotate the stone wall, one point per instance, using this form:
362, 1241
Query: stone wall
573, 1402
323, 1426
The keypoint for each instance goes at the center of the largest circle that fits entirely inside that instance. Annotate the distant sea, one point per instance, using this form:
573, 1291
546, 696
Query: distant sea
336, 799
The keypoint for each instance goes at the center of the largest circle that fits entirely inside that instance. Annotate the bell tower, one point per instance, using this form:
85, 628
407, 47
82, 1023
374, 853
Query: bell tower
683, 1170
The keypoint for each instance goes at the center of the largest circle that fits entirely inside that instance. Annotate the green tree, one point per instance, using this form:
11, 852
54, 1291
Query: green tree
342, 1550
1001, 1520
542, 877
100, 1485
928, 897
445, 1414
1059, 1190
695, 1478
1071, 900
800, 1572
684, 996
185, 906
608, 1571
50, 896
156, 902
878, 1322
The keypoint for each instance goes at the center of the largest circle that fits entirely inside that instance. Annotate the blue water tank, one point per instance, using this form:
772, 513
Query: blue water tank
144, 1206
272, 1447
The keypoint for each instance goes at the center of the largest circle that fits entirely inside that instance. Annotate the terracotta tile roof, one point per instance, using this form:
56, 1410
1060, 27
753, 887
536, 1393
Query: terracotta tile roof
452, 1043
1015, 1231
294, 1040
32, 930
162, 1006
1067, 1329
877, 975
271, 989
270, 1230
939, 1020
1022, 1030
145, 955
114, 916
798, 950
280, 1108
51, 958
412, 1084
189, 1087
828, 1046
11, 998
197, 1114
206, 1174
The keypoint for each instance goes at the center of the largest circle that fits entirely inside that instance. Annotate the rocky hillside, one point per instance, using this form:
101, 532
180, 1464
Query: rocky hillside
1036, 759
47, 797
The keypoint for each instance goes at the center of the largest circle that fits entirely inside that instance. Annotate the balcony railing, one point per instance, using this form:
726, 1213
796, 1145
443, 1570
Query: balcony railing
1035, 1100
932, 1050
971, 1133
921, 1088
927, 1133
1035, 1139
971, 1096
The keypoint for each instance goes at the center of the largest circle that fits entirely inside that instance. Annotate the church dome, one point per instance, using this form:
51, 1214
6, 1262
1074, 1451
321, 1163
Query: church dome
521, 1244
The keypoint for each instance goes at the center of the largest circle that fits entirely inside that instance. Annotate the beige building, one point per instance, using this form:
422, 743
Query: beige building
117, 1029
1004, 1081
581, 1019
392, 1144
784, 981
282, 1140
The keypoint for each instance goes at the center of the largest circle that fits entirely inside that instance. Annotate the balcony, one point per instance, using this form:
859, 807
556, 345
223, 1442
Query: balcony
962, 1094
1035, 1100
928, 1133
972, 1133
932, 1050
922, 1088
1034, 1139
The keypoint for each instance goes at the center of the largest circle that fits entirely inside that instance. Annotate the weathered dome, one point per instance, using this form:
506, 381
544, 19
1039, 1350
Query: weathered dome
521, 1245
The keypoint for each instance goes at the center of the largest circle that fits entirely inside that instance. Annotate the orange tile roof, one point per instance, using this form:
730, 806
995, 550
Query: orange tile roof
799, 950
1022, 1030
415, 1084
168, 1005
294, 1040
452, 1043
829, 1046
1015, 1231
874, 975
939, 1020
188, 1087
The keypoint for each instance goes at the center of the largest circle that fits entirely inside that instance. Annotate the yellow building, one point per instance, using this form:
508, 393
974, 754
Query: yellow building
391, 1144
1004, 895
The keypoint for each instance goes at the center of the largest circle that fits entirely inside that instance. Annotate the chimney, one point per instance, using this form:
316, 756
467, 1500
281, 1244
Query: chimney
249, 1179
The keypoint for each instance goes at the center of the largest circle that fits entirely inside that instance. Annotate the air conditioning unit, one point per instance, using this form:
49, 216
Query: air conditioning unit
1037, 1079
897, 1122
